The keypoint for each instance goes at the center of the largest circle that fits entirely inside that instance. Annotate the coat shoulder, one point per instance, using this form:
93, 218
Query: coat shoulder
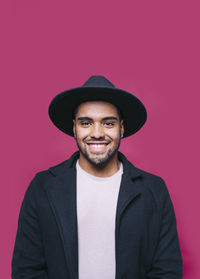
57, 169
154, 189
149, 181
43, 178
152, 183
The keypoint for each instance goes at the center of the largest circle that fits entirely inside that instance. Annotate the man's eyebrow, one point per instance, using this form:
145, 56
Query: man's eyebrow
110, 118
84, 118
105, 118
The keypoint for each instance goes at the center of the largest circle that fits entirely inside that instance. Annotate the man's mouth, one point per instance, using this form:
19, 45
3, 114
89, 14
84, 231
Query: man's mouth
97, 147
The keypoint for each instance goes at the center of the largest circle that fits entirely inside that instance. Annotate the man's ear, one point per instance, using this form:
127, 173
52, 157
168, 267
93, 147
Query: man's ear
74, 129
122, 128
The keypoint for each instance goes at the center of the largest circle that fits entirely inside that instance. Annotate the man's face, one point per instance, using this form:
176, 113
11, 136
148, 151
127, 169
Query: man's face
97, 130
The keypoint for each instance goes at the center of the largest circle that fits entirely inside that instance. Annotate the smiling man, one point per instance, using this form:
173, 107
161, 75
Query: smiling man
97, 129
95, 215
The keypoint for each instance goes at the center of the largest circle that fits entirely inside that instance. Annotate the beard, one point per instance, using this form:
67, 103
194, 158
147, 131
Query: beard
97, 160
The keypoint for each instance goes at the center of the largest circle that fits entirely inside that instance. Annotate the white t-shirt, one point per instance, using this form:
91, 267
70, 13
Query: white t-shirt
96, 212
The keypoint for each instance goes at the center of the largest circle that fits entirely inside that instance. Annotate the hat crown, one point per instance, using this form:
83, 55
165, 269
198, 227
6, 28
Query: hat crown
98, 81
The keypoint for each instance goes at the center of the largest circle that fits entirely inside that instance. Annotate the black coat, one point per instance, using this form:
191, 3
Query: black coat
146, 238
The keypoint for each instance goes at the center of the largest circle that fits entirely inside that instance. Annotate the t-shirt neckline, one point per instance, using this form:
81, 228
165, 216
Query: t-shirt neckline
84, 173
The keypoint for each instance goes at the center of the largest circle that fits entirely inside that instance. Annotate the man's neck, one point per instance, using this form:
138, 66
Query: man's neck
106, 170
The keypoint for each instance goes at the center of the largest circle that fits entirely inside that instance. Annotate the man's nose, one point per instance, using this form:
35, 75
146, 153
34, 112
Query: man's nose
97, 131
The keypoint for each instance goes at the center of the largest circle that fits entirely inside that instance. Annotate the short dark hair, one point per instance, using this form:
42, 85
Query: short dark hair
120, 115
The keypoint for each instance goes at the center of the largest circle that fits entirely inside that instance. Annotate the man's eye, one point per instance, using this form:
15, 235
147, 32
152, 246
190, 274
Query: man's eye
85, 123
109, 124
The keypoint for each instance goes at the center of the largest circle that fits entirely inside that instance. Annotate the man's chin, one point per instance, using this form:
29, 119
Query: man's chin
99, 159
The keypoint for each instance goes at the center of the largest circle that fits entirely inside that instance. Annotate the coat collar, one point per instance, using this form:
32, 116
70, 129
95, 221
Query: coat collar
61, 191
128, 167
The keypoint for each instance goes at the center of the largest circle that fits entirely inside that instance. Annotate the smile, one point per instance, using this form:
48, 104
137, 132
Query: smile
97, 147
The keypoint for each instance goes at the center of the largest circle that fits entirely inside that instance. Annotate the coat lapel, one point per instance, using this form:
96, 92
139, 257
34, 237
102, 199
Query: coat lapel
62, 197
129, 190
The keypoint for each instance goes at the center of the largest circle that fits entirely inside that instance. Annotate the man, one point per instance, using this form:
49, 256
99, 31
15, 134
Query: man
96, 215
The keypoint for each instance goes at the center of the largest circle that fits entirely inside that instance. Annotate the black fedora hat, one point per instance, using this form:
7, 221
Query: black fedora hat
63, 105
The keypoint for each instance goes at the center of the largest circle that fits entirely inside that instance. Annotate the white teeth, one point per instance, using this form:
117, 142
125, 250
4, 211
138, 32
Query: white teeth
97, 145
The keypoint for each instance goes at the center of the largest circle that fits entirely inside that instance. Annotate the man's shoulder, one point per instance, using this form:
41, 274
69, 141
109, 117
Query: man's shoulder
138, 172
151, 177
149, 181
43, 177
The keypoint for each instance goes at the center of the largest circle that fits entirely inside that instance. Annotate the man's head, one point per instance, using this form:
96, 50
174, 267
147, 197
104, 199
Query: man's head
97, 129
61, 108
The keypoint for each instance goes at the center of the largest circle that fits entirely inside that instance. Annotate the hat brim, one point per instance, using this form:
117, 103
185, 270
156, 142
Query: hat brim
61, 108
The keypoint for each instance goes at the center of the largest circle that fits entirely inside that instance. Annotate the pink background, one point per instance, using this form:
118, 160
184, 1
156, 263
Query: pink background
150, 48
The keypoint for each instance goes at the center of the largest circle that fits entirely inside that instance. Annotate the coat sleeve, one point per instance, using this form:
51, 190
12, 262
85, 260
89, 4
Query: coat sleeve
28, 257
167, 260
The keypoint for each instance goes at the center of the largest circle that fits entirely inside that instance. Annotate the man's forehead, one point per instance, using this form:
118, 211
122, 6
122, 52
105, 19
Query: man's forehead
96, 106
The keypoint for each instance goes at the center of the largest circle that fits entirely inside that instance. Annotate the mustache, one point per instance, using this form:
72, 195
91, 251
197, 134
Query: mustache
97, 140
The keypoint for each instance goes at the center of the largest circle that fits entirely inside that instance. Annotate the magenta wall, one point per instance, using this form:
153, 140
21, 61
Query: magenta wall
147, 47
